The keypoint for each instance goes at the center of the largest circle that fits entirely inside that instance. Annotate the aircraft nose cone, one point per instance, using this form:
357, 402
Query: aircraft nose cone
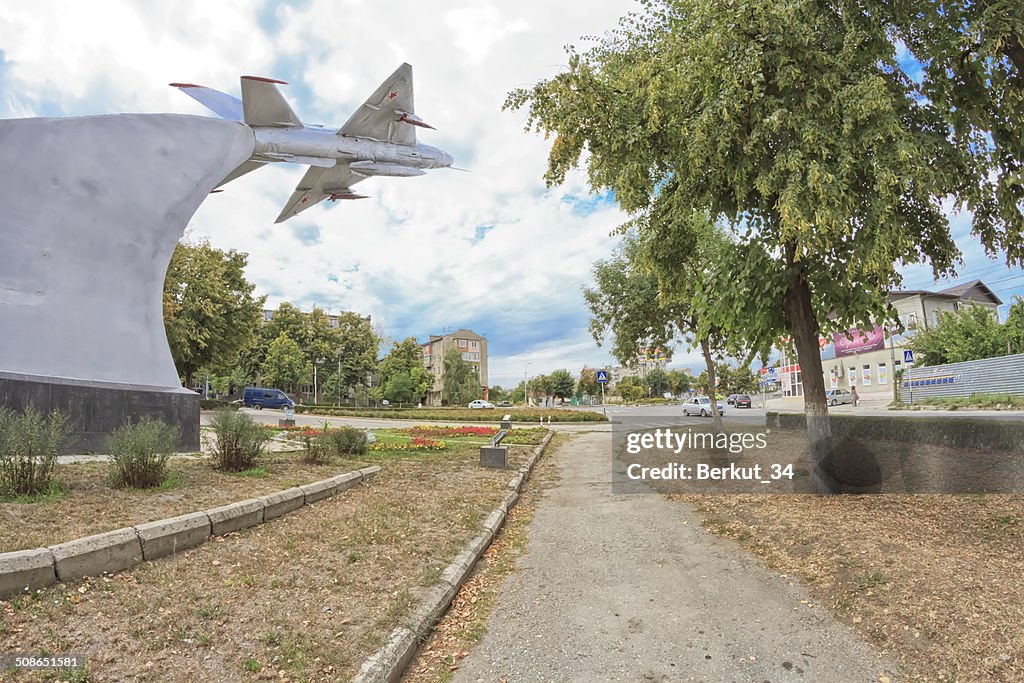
447, 159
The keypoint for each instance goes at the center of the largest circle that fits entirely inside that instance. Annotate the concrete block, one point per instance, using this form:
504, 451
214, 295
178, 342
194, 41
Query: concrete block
430, 610
344, 482
494, 521
319, 490
479, 544
516, 482
509, 501
26, 570
169, 536
456, 573
388, 663
282, 502
494, 456
93, 555
242, 515
368, 472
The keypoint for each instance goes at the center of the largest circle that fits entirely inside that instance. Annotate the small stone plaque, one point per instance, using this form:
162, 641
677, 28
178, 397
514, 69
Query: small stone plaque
494, 456
281, 422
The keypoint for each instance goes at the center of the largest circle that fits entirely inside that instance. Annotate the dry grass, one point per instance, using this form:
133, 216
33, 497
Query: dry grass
935, 580
92, 506
305, 597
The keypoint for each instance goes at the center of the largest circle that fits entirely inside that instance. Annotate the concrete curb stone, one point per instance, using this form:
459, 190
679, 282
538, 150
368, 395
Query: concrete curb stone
236, 516
168, 536
122, 548
389, 663
319, 490
94, 555
26, 570
282, 502
516, 482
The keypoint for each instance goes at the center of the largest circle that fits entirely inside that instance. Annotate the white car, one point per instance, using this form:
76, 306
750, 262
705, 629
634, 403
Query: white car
480, 403
701, 405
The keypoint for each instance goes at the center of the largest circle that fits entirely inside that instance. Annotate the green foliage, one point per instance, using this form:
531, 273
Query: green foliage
587, 385
975, 400
317, 449
216, 404
403, 378
285, 366
657, 381
348, 441
561, 384
679, 382
237, 442
331, 442
29, 445
461, 382
497, 393
139, 452
210, 313
631, 388
971, 333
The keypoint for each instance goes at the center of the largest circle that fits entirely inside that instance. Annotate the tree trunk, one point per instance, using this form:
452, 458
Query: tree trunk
188, 379
804, 326
706, 348
1013, 48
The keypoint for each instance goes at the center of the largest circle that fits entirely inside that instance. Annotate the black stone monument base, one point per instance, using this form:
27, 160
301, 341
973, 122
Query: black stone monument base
95, 409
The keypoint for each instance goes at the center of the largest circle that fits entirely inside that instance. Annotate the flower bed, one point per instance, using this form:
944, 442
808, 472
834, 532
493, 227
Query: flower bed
431, 431
418, 444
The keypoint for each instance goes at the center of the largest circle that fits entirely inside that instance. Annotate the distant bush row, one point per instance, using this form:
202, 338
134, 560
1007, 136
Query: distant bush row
493, 415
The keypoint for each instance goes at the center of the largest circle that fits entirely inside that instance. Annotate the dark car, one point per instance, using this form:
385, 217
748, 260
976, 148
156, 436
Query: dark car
742, 401
504, 404
265, 397
731, 399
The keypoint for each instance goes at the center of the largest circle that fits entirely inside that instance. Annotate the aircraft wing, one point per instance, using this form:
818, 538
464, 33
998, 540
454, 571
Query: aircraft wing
317, 185
386, 114
218, 102
263, 104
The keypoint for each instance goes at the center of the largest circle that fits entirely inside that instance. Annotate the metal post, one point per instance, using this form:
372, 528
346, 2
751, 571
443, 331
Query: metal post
604, 408
314, 384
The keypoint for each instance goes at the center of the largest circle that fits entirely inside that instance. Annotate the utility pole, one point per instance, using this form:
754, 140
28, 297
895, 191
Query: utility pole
526, 399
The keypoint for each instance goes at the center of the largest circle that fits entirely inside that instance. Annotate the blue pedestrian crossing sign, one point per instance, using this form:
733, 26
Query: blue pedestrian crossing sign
908, 356
602, 376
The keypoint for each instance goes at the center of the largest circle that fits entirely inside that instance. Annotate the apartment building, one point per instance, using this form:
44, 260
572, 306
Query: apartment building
469, 344
868, 359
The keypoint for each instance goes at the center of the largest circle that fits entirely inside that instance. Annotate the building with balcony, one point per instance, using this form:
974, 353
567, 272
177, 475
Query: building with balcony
470, 345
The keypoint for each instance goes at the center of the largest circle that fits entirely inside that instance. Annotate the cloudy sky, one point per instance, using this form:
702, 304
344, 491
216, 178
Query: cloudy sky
492, 250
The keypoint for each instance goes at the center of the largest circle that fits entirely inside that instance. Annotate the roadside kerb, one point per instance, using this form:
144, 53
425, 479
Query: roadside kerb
388, 663
236, 516
98, 554
168, 536
27, 570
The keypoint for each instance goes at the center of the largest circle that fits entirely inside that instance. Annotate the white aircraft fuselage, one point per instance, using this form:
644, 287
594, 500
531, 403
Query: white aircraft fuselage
322, 147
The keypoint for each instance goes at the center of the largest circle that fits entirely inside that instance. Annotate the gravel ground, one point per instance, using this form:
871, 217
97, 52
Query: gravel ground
629, 587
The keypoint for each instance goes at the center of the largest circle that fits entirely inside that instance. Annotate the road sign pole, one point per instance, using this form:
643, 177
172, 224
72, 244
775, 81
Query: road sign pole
604, 408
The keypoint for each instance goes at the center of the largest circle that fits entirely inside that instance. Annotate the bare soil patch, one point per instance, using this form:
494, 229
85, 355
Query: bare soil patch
304, 597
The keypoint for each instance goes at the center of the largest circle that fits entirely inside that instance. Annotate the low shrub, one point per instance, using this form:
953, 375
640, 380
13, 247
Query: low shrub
238, 441
492, 415
29, 444
139, 452
318, 449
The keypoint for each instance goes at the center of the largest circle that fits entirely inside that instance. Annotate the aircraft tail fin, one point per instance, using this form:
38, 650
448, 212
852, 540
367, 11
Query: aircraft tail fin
264, 105
218, 102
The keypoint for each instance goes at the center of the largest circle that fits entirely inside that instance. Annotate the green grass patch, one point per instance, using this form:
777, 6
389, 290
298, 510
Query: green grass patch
256, 472
55, 491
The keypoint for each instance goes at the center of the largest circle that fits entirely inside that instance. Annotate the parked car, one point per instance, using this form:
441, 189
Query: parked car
266, 397
742, 401
480, 403
504, 404
837, 396
731, 400
701, 405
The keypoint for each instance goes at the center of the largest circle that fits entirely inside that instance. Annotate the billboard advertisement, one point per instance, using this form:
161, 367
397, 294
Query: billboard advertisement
859, 341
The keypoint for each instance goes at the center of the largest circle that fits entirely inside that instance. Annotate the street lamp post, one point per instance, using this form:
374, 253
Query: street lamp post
526, 400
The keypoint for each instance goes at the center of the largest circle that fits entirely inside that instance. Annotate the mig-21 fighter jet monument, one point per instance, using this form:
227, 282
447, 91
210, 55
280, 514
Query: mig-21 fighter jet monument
91, 209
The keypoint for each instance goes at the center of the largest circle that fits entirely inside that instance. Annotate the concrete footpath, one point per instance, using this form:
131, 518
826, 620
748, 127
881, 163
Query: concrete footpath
629, 587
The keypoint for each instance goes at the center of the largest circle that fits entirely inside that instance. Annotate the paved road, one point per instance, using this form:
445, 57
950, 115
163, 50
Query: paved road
630, 588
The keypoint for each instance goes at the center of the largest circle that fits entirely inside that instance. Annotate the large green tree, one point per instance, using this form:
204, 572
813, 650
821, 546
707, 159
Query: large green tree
971, 333
285, 366
403, 377
210, 313
789, 122
561, 384
587, 385
461, 383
